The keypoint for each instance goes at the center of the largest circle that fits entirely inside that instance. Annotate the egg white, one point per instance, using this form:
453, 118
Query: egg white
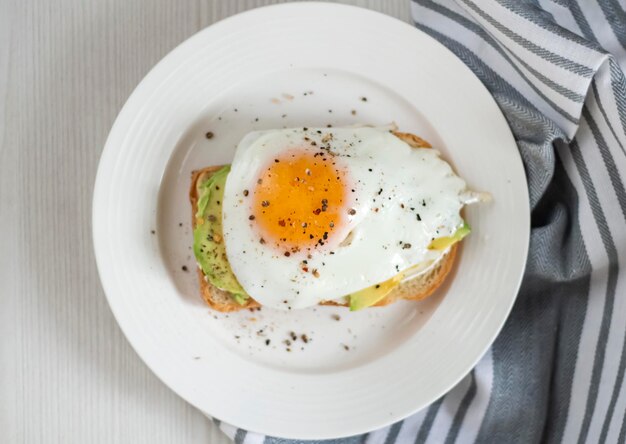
402, 196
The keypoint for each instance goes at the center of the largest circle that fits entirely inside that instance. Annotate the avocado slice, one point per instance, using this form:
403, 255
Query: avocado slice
371, 295
441, 243
208, 244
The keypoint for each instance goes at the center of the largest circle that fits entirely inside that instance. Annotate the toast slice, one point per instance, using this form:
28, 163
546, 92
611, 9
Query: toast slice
416, 288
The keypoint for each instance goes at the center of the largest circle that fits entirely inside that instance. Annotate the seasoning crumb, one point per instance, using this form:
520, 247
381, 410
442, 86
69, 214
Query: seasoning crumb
209, 135
287, 96
184, 268
336, 317
275, 100
315, 273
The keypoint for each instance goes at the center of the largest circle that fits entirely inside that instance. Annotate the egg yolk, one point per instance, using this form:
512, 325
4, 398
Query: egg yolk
299, 201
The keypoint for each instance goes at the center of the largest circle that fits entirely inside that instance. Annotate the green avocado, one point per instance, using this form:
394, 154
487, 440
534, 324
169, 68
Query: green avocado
441, 243
208, 244
370, 295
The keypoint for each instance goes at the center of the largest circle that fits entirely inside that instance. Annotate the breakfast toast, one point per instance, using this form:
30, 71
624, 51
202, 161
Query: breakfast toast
416, 288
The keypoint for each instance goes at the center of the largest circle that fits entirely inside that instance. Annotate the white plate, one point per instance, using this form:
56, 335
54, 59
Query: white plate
304, 64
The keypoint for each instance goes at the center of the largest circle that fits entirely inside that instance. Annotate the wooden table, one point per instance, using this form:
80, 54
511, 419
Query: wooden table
67, 374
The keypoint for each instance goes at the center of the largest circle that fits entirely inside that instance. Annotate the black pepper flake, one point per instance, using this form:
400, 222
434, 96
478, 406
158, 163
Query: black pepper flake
336, 317
281, 223
287, 254
209, 135
267, 342
331, 225
353, 112
345, 347
184, 268
294, 337
401, 205
304, 338
260, 181
352, 212
325, 236
419, 218
265, 203
256, 119
152, 231
180, 224
369, 169
287, 342
380, 191
276, 160
363, 99
262, 241
246, 192
406, 246
251, 217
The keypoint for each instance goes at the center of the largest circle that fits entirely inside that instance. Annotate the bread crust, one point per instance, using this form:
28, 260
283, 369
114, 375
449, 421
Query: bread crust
415, 289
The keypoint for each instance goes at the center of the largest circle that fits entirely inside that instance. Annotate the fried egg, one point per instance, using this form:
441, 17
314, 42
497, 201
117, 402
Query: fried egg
313, 214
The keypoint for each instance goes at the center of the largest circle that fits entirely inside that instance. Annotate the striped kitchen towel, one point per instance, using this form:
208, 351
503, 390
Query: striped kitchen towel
556, 372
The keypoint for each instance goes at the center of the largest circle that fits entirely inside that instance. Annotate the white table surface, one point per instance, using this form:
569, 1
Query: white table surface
67, 374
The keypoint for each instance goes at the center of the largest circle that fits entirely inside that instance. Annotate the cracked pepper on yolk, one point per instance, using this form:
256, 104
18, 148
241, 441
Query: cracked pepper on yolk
299, 200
